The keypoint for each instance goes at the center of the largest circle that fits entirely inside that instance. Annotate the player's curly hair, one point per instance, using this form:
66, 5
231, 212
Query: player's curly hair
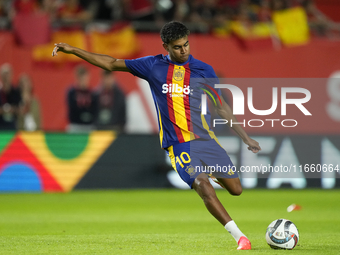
173, 31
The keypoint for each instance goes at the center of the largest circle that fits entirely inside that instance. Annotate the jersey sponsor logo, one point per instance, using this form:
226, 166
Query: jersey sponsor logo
176, 90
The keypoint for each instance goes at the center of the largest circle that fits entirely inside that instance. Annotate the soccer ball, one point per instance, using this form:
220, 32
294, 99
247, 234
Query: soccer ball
282, 234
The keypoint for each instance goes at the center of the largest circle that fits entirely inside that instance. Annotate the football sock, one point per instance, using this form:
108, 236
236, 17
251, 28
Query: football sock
233, 229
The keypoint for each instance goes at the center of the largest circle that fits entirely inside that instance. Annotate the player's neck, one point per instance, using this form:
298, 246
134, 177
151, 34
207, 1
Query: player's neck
177, 62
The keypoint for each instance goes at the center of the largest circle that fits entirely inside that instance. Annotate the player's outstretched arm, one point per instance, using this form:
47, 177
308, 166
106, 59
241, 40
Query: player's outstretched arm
104, 61
225, 112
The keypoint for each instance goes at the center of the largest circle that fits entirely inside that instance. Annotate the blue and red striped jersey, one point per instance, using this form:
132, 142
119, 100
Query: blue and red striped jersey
176, 89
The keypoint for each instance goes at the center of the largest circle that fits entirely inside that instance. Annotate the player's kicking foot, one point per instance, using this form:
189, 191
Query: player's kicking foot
244, 243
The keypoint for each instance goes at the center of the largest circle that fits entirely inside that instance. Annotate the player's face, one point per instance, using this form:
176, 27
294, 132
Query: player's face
179, 50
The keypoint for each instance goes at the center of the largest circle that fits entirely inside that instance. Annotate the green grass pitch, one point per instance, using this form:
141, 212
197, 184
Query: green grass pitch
162, 222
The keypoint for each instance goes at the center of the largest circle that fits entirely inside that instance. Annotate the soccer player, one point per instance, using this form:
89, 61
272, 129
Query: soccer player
177, 82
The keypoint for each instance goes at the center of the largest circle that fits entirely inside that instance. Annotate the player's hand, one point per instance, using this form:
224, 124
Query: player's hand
253, 145
63, 47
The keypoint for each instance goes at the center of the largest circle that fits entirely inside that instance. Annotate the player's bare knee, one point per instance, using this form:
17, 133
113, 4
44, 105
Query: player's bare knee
236, 191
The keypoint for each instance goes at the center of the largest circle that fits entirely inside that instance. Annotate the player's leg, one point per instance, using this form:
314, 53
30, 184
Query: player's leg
233, 185
196, 180
185, 163
206, 191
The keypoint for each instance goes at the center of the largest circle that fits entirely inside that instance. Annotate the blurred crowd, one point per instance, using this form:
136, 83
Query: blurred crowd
102, 108
202, 13
19, 109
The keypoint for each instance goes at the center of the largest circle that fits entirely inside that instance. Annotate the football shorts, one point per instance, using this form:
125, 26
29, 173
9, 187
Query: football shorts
198, 156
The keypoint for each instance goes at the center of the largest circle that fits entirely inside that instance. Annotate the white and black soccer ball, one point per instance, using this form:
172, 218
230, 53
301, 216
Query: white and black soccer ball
282, 234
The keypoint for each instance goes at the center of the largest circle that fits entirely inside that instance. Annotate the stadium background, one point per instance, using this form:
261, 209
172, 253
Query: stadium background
53, 161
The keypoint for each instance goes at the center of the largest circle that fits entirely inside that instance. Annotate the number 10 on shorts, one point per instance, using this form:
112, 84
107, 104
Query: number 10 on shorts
183, 158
